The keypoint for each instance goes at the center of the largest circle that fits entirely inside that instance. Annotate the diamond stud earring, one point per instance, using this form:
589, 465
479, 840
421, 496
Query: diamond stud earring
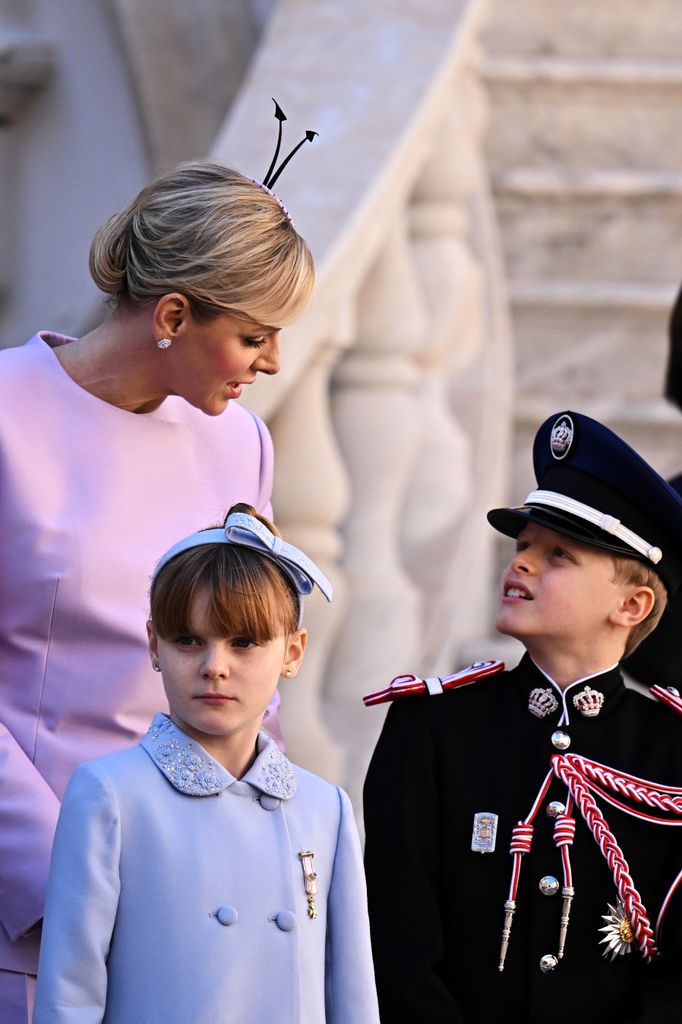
164, 343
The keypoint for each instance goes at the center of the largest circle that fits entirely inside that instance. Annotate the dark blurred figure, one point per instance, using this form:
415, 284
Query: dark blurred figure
658, 659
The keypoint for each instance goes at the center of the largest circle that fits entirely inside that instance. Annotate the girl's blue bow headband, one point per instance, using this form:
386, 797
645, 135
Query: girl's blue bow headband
246, 531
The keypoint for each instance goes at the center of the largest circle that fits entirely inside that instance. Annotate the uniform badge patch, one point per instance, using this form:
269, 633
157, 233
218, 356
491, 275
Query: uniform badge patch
561, 437
484, 832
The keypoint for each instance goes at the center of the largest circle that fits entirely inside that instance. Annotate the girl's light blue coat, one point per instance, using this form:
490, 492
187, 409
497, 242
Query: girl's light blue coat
177, 894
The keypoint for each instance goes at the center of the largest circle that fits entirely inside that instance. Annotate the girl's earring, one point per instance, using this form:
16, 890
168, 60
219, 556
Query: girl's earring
156, 666
164, 343
287, 672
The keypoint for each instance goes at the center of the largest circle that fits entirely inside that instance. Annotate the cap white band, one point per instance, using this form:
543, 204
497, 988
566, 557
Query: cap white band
601, 519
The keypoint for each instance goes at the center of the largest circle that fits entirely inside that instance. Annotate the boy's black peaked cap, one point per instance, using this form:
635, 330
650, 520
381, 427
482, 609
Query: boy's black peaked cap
594, 487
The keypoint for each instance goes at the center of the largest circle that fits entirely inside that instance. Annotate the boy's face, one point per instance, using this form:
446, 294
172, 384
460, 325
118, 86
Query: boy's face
219, 687
560, 592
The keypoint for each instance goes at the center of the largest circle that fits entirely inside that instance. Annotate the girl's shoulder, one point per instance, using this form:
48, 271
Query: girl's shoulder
313, 789
116, 770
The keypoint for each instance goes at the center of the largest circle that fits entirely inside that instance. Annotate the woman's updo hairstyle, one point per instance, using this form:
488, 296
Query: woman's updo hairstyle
248, 595
213, 235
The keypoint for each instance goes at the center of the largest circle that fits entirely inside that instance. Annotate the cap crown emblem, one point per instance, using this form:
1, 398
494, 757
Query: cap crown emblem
542, 702
561, 437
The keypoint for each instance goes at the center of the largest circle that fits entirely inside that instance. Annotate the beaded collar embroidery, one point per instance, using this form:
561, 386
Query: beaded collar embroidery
193, 772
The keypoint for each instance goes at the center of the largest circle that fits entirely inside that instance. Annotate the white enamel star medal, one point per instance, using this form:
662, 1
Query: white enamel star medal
618, 932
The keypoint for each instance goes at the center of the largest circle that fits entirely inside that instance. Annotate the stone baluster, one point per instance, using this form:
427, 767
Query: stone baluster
25, 65
443, 524
379, 425
310, 498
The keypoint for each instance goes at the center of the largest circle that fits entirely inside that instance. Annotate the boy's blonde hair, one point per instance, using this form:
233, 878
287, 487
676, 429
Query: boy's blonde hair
213, 235
630, 570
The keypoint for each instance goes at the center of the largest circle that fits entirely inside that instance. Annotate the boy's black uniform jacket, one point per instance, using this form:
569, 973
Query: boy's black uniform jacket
437, 908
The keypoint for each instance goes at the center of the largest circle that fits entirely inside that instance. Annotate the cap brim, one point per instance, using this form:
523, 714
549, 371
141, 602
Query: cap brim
511, 521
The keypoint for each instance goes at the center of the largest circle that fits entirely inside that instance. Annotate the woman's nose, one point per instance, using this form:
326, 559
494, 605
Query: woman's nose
268, 358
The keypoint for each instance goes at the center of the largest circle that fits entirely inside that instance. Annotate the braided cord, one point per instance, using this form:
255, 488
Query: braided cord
654, 795
612, 853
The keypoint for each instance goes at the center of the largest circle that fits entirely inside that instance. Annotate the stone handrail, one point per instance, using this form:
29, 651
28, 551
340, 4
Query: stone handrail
391, 414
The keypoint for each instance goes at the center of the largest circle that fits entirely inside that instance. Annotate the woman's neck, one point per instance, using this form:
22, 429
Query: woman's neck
115, 362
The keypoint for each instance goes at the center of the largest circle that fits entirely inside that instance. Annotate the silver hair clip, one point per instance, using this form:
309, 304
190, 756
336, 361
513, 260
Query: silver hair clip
274, 172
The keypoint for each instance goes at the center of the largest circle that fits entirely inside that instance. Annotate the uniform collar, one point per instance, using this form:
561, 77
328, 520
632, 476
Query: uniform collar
608, 683
192, 771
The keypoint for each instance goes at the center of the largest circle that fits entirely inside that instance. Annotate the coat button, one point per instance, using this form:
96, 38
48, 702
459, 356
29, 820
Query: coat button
269, 803
555, 808
285, 920
227, 915
549, 885
561, 740
548, 963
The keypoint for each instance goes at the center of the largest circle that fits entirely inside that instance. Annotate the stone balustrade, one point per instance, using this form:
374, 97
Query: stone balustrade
391, 414
25, 65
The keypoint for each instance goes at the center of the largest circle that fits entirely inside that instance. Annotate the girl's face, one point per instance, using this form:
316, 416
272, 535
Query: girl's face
218, 687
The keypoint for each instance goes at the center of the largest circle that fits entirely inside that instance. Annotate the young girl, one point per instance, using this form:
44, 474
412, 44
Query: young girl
200, 877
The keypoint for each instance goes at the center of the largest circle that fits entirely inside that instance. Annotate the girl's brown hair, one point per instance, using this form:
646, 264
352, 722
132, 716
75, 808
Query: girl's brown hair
248, 595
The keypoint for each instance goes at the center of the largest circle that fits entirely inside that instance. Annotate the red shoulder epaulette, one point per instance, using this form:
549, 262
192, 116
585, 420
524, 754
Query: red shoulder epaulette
667, 695
410, 686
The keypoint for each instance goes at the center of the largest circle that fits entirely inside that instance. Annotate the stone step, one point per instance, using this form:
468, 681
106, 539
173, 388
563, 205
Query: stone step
599, 348
627, 28
597, 343
583, 114
608, 226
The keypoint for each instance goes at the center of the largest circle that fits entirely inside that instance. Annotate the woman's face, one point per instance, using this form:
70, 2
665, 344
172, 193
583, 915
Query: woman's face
212, 360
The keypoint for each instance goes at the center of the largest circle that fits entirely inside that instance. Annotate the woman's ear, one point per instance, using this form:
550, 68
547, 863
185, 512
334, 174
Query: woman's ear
294, 652
634, 607
171, 314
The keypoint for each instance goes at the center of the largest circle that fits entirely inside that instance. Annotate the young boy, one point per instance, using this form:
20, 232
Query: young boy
522, 856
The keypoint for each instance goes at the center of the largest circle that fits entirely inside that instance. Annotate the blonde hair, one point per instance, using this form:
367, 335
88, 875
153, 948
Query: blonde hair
217, 237
630, 570
248, 595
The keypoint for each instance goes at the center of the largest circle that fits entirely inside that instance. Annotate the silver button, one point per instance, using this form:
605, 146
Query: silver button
548, 885
548, 963
561, 740
227, 915
555, 808
285, 920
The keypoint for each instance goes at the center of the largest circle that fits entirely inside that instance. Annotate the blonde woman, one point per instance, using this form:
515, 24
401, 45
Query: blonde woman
111, 446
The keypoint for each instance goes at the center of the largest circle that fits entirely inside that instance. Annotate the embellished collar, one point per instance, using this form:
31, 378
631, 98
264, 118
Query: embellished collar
191, 770
588, 697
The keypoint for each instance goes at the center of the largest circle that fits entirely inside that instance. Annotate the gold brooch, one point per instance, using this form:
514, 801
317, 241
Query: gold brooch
310, 881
